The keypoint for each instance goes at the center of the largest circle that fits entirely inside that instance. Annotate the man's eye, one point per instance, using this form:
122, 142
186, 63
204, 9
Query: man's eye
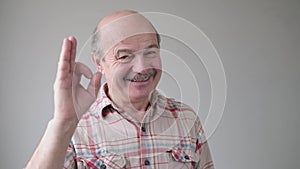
151, 52
125, 58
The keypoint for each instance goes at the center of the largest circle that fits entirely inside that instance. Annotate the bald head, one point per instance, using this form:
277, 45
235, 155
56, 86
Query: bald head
114, 16
118, 26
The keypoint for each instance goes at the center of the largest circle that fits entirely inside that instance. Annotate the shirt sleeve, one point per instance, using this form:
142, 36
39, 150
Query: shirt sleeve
205, 157
202, 148
69, 162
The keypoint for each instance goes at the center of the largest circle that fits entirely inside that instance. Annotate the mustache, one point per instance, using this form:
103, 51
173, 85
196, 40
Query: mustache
138, 76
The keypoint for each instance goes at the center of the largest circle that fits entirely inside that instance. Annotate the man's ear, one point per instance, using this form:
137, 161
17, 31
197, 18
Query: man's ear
96, 62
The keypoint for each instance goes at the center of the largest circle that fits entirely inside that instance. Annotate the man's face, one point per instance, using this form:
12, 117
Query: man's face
133, 67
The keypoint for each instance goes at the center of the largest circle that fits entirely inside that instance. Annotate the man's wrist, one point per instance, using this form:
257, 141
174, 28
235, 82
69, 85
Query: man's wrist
63, 126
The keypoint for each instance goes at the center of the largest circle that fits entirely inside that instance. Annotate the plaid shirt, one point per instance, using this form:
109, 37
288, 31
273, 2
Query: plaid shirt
170, 136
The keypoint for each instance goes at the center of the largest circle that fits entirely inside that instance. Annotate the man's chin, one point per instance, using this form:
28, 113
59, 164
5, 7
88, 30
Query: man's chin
137, 92
141, 90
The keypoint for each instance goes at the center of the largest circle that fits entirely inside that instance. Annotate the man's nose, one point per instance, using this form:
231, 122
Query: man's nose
140, 64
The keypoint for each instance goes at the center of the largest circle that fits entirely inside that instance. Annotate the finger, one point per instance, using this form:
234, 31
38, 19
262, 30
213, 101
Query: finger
73, 41
81, 69
64, 60
95, 83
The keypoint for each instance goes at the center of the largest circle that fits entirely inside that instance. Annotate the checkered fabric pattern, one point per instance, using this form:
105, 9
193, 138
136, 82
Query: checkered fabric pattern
170, 136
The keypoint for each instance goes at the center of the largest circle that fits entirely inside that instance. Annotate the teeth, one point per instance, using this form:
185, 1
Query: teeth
143, 77
140, 78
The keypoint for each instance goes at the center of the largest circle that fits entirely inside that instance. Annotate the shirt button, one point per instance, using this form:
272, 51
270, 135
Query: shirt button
147, 162
102, 166
187, 157
143, 129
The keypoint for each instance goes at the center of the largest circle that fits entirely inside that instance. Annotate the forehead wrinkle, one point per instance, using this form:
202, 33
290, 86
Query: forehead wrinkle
131, 48
139, 40
133, 43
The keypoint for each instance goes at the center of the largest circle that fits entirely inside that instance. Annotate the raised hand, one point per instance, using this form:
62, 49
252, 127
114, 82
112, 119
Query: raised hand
71, 99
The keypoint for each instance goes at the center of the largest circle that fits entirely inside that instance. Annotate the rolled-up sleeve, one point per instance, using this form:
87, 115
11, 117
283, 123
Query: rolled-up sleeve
202, 148
69, 162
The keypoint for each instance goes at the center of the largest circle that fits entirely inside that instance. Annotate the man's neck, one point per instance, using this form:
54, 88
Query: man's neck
135, 108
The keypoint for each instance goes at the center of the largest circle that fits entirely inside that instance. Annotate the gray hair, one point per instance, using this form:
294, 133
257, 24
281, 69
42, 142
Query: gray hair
95, 45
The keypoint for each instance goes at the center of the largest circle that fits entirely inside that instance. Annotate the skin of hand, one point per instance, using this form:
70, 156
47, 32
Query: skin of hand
71, 99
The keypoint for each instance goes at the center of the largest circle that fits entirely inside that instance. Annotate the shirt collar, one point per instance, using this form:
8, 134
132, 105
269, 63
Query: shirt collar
103, 101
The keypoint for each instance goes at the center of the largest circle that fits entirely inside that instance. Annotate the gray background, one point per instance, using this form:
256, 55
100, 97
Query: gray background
258, 42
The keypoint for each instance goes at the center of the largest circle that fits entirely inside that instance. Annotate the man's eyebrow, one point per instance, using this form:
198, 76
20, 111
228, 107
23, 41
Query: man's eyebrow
152, 46
124, 50
131, 51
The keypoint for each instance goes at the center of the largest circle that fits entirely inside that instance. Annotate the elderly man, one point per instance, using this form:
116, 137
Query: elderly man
128, 124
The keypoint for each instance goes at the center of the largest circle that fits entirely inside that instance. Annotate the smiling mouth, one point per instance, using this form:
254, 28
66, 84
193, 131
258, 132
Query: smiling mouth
142, 77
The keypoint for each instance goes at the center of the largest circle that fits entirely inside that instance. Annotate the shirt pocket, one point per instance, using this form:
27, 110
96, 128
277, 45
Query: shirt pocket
182, 158
114, 161
107, 161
